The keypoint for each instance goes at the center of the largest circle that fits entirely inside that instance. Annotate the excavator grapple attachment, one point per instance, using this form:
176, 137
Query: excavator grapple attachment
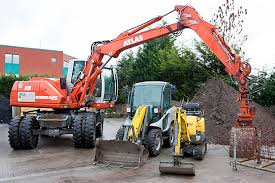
120, 153
180, 168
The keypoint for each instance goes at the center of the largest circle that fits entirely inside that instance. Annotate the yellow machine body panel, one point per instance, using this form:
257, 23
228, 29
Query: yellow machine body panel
191, 125
137, 123
200, 125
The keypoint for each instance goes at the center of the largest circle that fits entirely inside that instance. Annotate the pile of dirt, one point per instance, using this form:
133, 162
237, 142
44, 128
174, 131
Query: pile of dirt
220, 104
5, 110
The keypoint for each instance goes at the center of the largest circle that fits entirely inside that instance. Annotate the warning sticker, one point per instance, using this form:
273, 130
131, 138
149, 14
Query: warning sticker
26, 96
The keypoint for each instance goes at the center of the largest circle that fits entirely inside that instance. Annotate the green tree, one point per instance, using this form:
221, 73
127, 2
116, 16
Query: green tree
229, 20
264, 86
146, 66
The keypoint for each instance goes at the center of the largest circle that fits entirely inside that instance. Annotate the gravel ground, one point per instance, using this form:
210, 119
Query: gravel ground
56, 161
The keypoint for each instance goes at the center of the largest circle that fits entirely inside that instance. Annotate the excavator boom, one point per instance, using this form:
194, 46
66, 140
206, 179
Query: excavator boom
188, 18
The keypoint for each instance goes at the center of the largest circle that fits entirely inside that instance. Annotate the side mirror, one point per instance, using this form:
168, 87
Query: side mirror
173, 89
126, 90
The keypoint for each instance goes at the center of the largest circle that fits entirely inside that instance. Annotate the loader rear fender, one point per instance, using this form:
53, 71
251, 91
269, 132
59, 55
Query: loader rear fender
166, 120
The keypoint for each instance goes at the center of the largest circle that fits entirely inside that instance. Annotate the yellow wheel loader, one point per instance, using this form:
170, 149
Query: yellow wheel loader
149, 126
189, 140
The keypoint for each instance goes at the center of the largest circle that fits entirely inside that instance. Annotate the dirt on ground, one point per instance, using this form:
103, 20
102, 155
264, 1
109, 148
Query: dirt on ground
220, 103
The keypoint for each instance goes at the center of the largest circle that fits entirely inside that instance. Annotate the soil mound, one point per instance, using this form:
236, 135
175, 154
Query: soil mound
220, 104
5, 110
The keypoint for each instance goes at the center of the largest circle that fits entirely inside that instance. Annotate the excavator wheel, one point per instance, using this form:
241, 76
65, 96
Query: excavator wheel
99, 127
84, 131
120, 133
153, 142
200, 151
21, 134
170, 136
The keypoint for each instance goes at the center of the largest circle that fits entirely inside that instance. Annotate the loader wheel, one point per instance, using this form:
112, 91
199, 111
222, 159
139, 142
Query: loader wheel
99, 126
170, 136
200, 151
120, 134
84, 131
21, 133
154, 142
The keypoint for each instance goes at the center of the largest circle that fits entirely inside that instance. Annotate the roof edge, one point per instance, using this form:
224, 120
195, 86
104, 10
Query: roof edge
30, 48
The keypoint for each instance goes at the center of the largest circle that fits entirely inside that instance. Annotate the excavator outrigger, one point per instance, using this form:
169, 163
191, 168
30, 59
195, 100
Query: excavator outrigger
53, 94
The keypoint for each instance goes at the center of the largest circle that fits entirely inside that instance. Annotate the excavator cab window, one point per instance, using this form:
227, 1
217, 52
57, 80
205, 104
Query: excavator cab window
78, 67
109, 84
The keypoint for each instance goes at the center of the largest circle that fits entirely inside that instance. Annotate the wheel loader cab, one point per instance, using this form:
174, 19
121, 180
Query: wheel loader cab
106, 88
151, 93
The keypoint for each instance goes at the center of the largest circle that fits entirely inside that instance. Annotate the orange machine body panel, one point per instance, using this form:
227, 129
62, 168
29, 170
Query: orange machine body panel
39, 92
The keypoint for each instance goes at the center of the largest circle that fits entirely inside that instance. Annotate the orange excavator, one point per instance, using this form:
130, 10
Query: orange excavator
90, 89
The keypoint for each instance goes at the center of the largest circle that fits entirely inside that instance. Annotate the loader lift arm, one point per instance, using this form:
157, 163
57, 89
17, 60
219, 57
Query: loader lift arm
188, 18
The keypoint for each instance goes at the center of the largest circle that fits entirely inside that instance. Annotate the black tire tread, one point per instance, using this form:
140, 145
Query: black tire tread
89, 134
120, 133
84, 131
199, 154
150, 142
77, 132
166, 141
99, 127
14, 133
21, 133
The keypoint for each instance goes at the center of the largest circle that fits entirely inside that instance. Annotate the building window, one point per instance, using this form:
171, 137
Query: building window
53, 60
12, 64
65, 69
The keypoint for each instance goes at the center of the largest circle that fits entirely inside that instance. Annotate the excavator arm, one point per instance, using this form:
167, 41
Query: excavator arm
188, 18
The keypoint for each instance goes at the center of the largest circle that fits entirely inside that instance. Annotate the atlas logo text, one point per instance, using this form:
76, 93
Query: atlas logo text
133, 40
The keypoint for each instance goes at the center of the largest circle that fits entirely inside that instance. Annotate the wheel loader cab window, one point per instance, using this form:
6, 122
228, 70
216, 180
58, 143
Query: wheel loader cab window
166, 99
146, 95
12, 62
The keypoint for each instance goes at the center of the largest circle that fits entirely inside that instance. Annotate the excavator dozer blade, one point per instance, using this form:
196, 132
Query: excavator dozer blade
120, 153
181, 168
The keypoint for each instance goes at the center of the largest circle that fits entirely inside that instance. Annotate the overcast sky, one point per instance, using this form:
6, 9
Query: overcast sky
72, 25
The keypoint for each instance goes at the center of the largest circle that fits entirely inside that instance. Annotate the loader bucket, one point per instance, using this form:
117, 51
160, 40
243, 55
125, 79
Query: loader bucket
181, 168
120, 153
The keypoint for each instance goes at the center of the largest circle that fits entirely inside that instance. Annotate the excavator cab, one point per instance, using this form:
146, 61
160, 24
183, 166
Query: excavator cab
106, 88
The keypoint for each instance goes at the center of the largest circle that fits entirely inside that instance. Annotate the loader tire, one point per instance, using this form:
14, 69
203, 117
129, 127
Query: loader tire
21, 133
120, 134
99, 126
170, 137
154, 142
84, 131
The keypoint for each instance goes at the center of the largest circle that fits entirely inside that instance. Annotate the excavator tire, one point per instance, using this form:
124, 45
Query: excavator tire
153, 142
200, 151
77, 132
84, 131
21, 133
14, 137
99, 127
170, 137
120, 134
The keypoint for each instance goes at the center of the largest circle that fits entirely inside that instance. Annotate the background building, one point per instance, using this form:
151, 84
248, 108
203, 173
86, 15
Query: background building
33, 61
